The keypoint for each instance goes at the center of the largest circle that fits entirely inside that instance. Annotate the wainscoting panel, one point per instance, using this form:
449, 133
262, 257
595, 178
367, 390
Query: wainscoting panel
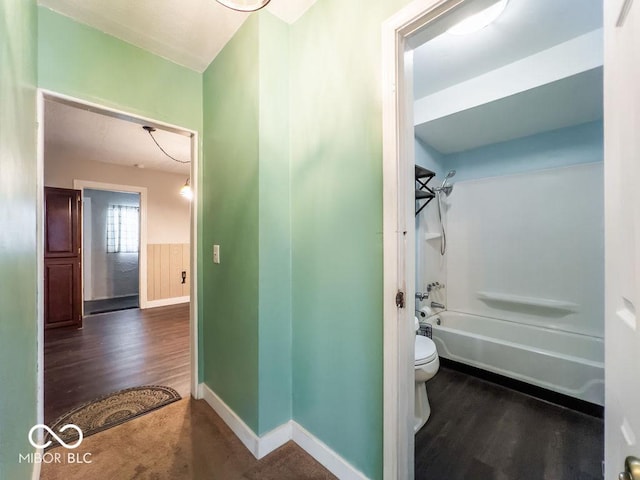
165, 264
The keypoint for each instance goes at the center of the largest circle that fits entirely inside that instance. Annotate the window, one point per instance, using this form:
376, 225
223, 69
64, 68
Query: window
123, 229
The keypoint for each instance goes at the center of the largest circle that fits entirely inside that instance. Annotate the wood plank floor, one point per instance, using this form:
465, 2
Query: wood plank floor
114, 351
484, 431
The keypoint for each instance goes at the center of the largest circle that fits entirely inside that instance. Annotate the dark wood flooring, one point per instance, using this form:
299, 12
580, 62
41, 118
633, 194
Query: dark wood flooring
114, 351
482, 431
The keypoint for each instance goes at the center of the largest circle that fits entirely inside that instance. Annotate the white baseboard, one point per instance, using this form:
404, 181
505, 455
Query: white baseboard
325, 455
163, 302
258, 446
261, 446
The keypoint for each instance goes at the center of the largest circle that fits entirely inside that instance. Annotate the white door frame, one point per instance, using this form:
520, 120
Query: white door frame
142, 253
400, 34
193, 313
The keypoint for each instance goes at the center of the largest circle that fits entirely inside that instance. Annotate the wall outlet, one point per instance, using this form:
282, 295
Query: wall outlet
216, 254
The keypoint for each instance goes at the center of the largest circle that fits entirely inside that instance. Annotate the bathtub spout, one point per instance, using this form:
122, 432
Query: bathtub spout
437, 305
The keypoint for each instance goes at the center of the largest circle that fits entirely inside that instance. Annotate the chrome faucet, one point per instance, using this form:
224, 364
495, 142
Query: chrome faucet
437, 305
422, 296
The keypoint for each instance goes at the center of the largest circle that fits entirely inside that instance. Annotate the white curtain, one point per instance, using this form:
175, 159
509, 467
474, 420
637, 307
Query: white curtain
123, 229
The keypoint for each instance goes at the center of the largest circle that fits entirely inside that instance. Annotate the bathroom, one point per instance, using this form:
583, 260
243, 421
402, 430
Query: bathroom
510, 244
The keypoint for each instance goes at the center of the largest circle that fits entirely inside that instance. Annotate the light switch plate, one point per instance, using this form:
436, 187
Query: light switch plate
216, 254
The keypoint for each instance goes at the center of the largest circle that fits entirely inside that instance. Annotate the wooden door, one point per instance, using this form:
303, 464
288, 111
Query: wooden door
62, 257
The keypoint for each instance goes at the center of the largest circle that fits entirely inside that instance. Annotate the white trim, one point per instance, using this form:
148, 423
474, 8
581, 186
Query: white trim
194, 340
258, 446
40, 260
325, 455
400, 33
274, 439
193, 258
142, 254
163, 302
267, 443
37, 466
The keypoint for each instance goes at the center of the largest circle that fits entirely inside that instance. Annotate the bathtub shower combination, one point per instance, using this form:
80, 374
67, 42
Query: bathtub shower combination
524, 278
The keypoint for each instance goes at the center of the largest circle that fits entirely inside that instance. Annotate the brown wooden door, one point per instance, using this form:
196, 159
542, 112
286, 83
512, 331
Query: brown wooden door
62, 257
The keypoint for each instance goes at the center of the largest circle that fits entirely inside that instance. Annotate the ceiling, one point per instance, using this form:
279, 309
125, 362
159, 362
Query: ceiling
188, 32
74, 132
528, 29
524, 28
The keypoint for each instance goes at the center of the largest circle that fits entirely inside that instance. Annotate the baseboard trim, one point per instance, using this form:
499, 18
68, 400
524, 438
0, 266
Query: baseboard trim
37, 467
325, 455
258, 446
267, 443
163, 302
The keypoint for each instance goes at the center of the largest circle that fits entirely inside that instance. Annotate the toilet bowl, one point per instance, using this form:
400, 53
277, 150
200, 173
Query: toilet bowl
426, 366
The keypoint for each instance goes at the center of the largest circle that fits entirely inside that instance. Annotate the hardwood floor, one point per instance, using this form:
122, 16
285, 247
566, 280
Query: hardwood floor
114, 351
480, 430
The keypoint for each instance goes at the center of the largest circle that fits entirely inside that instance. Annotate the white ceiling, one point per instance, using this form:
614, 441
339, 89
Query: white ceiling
73, 132
188, 32
524, 28
564, 103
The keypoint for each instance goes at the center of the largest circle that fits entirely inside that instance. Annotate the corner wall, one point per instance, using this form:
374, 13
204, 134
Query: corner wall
230, 293
336, 199
247, 297
18, 288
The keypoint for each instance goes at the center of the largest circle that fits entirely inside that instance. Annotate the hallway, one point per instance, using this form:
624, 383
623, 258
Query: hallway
114, 351
184, 440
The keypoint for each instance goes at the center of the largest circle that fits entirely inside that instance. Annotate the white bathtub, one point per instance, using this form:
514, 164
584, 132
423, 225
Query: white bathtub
564, 362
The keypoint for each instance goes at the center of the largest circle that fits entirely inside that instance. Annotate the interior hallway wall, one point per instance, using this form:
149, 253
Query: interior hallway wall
336, 199
247, 304
18, 285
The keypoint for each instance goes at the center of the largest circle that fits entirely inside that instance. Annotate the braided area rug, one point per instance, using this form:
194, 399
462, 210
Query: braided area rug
110, 410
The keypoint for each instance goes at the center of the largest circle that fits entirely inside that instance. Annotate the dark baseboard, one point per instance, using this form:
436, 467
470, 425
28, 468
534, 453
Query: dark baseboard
566, 401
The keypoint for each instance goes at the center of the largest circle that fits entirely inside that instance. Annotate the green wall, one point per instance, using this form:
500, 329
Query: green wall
275, 226
229, 302
17, 234
77, 60
247, 297
336, 197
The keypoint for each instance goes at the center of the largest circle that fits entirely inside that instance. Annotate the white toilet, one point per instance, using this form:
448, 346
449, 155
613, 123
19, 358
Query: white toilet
426, 366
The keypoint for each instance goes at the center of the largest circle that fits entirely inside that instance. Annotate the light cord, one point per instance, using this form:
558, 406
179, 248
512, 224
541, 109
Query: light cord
151, 129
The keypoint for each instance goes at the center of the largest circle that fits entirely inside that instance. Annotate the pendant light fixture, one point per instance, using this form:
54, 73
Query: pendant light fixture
185, 191
244, 5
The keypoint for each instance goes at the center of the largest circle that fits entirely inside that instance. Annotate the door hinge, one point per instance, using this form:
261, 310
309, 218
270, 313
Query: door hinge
400, 299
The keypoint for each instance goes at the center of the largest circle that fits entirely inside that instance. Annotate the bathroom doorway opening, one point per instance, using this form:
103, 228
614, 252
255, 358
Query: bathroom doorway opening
410, 28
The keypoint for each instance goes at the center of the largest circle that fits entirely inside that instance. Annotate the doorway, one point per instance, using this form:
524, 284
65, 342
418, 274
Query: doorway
130, 208
111, 244
401, 34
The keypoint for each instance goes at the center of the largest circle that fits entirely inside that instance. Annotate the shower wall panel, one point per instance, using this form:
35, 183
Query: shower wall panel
528, 248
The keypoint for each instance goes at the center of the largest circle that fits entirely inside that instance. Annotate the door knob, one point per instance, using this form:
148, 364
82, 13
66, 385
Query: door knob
631, 469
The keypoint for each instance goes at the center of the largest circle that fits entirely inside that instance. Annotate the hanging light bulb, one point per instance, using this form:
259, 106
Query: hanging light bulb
186, 191
244, 5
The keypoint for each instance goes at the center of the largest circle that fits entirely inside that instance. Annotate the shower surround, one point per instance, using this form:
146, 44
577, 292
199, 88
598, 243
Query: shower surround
524, 276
